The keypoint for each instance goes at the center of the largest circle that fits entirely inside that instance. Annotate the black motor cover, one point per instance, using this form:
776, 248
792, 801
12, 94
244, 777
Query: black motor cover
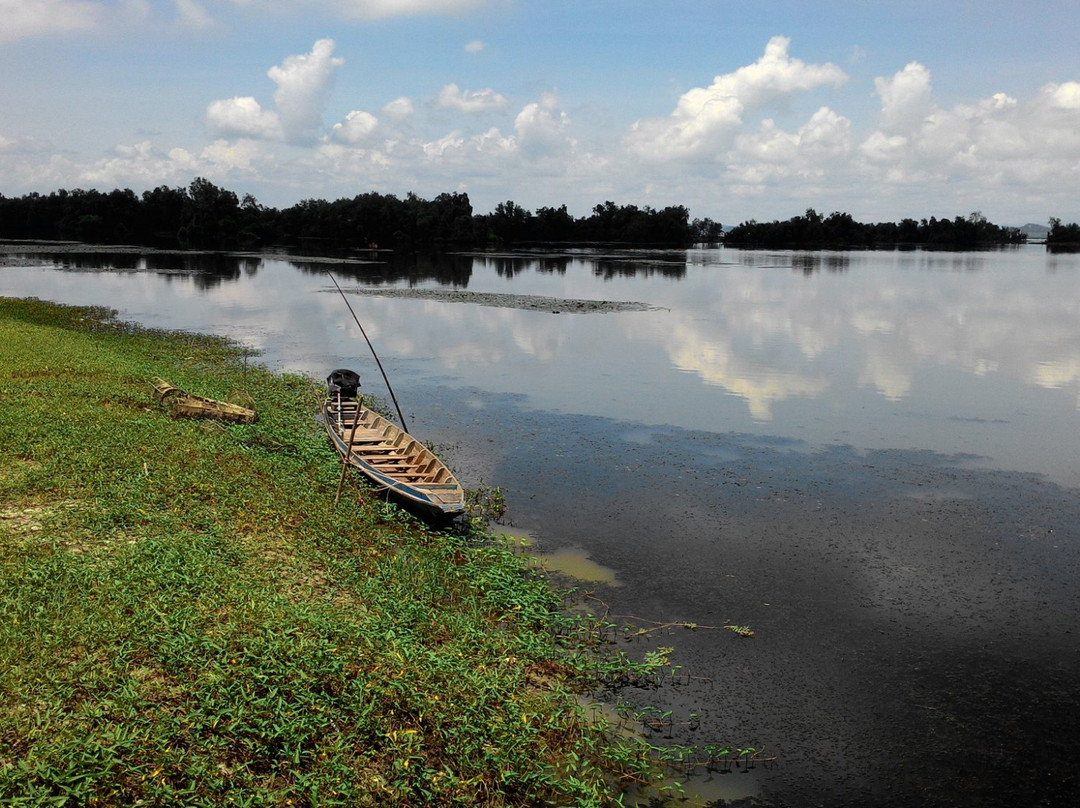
344, 382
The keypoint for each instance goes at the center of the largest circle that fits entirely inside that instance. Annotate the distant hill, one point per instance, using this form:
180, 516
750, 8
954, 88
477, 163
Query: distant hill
1035, 232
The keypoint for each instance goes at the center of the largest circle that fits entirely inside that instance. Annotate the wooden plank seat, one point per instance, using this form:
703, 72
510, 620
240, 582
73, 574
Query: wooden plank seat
393, 465
366, 435
385, 450
391, 457
376, 449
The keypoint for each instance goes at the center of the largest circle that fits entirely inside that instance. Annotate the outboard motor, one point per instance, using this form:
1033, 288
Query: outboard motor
342, 382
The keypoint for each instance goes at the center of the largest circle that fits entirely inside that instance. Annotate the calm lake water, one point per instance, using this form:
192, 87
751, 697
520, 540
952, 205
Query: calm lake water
870, 458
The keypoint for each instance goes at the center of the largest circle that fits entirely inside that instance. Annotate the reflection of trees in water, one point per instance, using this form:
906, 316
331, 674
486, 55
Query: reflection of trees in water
809, 263
608, 264
602, 264
509, 266
224, 268
553, 266
805, 262
385, 267
207, 270
630, 269
413, 268
92, 262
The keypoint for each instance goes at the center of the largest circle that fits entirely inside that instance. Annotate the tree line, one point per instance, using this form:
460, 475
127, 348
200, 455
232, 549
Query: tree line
205, 216
1063, 235
841, 231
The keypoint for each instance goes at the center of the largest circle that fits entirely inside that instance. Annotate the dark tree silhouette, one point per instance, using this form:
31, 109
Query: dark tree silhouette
206, 216
841, 231
1063, 235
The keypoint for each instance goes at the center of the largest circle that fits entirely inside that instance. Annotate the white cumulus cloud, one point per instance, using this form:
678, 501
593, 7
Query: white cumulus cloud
356, 128
139, 162
815, 150
906, 98
303, 85
883, 149
453, 97
448, 143
399, 109
990, 144
143, 164
541, 128
705, 117
243, 117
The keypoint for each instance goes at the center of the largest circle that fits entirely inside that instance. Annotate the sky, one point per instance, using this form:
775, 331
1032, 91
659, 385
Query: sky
757, 109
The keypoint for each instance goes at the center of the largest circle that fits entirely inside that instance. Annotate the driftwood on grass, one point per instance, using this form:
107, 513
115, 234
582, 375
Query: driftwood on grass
187, 405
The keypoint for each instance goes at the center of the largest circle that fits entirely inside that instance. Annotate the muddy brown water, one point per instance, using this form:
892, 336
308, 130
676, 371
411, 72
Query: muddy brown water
915, 621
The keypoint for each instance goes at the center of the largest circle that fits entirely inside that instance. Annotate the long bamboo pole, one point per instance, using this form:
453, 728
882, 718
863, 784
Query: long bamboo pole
372, 347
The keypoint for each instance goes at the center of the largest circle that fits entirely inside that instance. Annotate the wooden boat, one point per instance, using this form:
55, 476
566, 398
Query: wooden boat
385, 453
189, 405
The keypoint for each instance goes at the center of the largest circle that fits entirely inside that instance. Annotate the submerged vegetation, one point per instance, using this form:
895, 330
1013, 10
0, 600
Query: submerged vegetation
187, 617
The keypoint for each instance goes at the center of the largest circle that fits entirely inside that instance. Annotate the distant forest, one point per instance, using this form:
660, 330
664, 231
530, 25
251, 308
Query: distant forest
840, 231
205, 216
1063, 235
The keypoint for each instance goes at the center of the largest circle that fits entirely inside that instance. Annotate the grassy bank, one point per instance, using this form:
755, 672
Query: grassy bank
187, 618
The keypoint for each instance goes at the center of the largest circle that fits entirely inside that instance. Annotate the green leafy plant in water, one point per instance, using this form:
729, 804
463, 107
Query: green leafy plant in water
485, 505
742, 631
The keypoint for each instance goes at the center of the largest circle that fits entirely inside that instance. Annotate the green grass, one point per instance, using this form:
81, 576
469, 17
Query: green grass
186, 618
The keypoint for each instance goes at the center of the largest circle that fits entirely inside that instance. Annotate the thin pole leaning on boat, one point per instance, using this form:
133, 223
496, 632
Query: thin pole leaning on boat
372, 347
344, 457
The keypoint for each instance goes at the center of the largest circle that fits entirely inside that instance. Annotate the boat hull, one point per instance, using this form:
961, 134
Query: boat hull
391, 458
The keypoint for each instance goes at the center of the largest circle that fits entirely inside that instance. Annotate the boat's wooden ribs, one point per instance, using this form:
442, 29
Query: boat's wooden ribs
381, 449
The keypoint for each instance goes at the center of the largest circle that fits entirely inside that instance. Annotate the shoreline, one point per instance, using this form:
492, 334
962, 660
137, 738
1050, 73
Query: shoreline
189, 616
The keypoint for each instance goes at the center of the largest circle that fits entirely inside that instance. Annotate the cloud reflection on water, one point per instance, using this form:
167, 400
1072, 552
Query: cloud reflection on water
877, 349
895, 314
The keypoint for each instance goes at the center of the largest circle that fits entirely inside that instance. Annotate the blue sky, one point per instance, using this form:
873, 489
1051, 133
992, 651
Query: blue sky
738, 110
